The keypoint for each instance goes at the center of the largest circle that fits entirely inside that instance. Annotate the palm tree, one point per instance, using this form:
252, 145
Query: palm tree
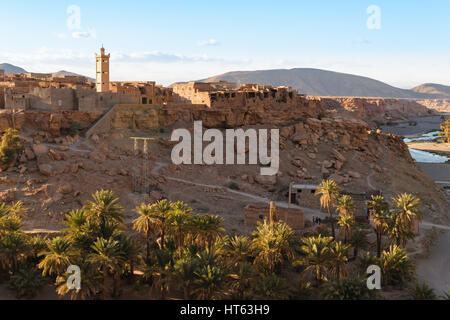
338, 256
358, 241
406, 212
104, 208
379, 214
236, 248
159, 216
57, 257
207, 229
13, 250
272, 244
396, 268
317, 256
144, 224
345, 205
329, 193
209, 281
272, 287
75, 220
346, 221
184, 275
10, 223
91, 283
162, 271
26, 282
180, 222
107, 258
351, 288
130, 252
242, 279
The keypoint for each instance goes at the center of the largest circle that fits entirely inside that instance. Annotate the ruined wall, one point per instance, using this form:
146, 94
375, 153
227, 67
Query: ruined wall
2, 98
307, 199
53, 99
51, 122
255, 213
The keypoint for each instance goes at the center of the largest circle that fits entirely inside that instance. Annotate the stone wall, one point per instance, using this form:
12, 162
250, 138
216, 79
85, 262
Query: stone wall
254, 213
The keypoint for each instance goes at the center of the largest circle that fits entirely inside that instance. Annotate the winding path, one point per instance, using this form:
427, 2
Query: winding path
283, 204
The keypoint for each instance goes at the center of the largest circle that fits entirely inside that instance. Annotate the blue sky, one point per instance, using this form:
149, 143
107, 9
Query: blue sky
170, 41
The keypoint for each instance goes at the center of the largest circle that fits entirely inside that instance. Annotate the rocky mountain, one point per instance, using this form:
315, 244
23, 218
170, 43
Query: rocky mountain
68, 73
318, 82
434, 89
11, 69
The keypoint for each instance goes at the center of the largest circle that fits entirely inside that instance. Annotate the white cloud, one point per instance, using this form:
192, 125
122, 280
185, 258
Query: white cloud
90, 34
61, 36
208, 43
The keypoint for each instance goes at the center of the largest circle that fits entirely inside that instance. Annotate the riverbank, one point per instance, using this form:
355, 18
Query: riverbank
438, 148
416, 126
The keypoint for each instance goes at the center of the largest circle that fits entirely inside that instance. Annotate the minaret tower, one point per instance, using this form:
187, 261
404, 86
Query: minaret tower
102, 76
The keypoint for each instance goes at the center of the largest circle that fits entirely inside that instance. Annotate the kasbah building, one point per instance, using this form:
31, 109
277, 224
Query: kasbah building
55, 93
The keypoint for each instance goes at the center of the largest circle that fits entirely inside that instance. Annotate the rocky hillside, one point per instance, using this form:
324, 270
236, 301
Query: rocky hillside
55, 173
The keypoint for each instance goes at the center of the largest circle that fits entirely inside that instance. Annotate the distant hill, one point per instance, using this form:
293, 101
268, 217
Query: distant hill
68, 73
11, 69
322, 83
434, 89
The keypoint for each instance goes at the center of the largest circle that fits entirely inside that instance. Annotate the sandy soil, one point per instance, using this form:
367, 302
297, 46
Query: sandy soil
435, 270
441, 148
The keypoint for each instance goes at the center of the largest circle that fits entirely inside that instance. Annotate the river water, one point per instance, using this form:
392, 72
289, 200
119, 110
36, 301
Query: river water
424, 156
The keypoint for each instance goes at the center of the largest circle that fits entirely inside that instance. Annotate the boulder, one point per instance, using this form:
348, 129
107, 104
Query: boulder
46, 170
29, 154
40, 149
339, 156
266, 180
327, 164
97, 156
354, 174
155, 196
8, 195
337, 178
65, 188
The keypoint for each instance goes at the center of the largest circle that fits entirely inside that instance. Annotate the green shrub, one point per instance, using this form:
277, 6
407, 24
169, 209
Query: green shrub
26, 283
233, 186
9, 146
75, 128
348, 289
422, 291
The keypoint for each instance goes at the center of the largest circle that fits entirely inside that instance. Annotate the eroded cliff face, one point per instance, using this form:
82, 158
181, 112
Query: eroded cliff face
375, 110
436, 104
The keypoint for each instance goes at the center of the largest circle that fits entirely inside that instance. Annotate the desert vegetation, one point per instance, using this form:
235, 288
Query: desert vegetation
170, 251
445, 131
